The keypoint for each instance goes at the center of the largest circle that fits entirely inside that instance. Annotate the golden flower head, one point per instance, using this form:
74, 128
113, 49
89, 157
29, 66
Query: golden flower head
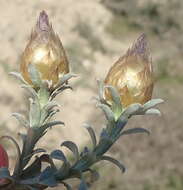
132, 75
45, 52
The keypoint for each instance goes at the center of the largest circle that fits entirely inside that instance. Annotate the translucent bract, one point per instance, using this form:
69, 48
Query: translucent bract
45, 52
132, 75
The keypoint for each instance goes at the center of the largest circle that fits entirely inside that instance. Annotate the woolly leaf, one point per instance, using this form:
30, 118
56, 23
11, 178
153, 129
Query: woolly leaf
116, 100
21, 119
153, 112
72, 147
133, 109
18, 76
134, 131
114, 161
65, 78
92, 134
108, 113
51, 124
34, 75
31, 90
152, 103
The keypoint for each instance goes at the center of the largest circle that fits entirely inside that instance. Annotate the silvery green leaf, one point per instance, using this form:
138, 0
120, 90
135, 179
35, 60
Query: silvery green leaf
121, 122
21, 119
43, 95
59, 155
50, 115
101, 90
83, 185
153, 111
115, 96
34, 75
152, 103
72, 147
135, 131
60, 90
65, 78
114, 161
51, 124
31, 90
92, 134
133, 109
108, 113
35, 113
51, 105
18, 76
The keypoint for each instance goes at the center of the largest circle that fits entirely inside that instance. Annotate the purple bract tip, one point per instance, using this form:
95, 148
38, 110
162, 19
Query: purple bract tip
43, 21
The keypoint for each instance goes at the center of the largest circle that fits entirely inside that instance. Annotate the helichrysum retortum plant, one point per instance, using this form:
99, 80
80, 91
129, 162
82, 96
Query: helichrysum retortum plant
125, 92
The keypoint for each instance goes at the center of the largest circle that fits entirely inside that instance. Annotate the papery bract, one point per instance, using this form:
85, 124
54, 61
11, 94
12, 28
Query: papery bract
132, 75
45, 52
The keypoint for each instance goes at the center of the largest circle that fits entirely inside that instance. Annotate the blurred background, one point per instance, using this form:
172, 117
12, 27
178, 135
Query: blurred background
95, 33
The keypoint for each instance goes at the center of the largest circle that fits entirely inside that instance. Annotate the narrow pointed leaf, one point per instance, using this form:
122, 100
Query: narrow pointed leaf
31, 90
133, 109
51, 124
66, 77
18, 76
92, 134
34, 75
152, 103
51, 105
101, 89
115, 96
153, 112
114, 161
135, 131
72, 147
108, 113
21, 119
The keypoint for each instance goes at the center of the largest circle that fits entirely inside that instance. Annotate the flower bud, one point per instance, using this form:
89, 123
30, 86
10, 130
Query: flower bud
132, 75
45, 52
